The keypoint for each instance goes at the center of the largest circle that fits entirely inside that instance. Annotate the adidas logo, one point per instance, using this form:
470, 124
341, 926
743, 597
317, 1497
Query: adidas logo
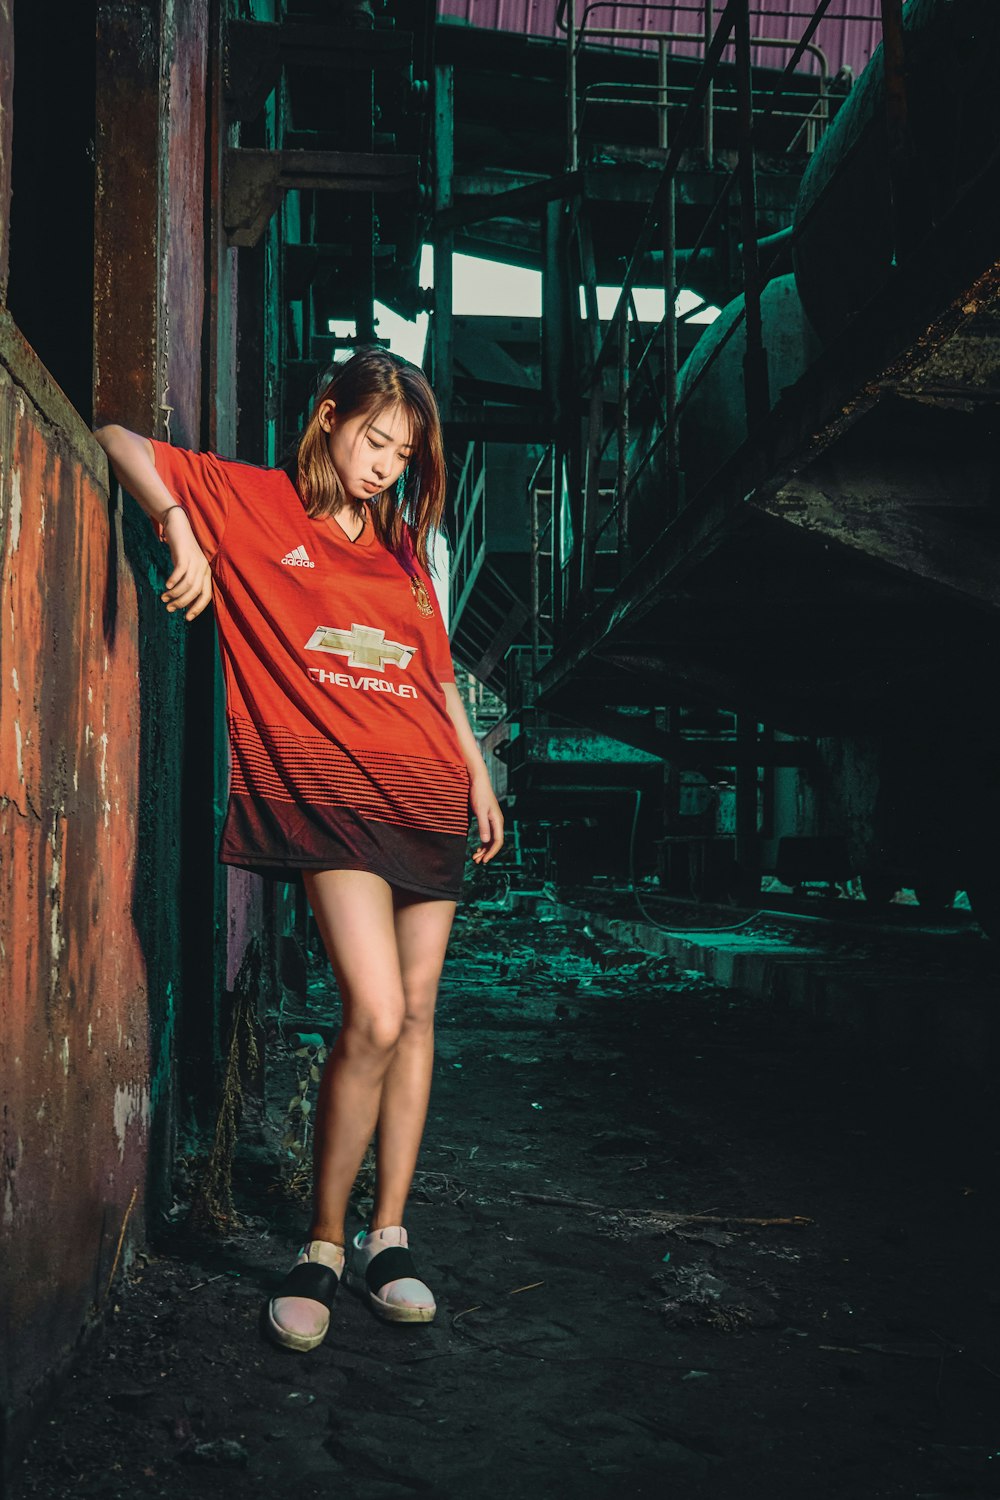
298, 558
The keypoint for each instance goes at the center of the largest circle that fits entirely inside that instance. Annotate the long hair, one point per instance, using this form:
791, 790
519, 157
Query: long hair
370, 382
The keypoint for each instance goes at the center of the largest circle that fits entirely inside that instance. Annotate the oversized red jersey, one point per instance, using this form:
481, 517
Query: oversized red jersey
342, 752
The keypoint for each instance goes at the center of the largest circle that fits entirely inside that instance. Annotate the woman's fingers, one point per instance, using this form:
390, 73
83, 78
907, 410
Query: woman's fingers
490, 827
180, 598
203, 601
188, 588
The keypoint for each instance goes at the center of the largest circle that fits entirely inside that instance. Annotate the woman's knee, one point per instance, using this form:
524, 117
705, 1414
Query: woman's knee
420, 999
372, 1036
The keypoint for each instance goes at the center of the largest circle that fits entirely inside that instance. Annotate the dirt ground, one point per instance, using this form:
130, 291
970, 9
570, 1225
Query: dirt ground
605, 1343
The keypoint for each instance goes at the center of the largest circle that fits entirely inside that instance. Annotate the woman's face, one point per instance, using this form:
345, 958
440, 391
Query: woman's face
368, 452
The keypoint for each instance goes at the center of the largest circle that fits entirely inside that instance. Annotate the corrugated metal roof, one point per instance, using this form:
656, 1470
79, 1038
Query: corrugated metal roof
847, 36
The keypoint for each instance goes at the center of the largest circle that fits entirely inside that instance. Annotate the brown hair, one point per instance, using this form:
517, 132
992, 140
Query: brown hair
371, 381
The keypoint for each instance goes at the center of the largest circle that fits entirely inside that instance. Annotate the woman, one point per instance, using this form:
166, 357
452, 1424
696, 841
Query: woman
353, 766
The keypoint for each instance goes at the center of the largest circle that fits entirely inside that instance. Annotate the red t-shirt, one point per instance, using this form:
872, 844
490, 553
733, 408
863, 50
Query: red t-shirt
343, 754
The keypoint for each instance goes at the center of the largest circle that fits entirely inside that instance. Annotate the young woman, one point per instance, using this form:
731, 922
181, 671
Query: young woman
353, 766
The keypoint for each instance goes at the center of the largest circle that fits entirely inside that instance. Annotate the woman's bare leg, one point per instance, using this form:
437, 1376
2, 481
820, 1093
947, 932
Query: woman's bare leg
422, 931
354, 913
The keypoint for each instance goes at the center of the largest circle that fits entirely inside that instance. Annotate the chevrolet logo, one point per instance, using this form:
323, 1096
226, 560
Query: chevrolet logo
363, 645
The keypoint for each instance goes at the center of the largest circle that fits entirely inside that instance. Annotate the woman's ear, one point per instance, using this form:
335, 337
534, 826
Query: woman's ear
325, 413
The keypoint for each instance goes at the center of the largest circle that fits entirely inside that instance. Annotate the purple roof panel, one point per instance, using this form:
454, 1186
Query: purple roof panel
847, 36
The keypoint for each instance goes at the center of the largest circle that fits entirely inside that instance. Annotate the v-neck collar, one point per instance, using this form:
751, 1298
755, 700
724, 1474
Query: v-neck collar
364, 538
329, 524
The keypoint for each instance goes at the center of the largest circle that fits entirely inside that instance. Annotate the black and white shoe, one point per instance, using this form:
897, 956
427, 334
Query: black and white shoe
298, 1314
380, 1269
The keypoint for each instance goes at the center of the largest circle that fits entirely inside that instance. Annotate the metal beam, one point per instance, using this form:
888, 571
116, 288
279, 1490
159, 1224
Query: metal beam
255, 182
256, 51
514, 203
685, 752
897, 336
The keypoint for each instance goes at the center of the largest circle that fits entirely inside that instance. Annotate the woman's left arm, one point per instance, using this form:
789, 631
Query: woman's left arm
485, 807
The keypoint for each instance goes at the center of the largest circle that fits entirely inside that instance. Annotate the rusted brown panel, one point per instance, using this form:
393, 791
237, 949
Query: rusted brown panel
76, 1053
6, 135
128, 139
188, 42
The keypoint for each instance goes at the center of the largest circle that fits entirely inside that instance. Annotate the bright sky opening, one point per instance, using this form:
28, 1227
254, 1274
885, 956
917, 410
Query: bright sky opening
492, 289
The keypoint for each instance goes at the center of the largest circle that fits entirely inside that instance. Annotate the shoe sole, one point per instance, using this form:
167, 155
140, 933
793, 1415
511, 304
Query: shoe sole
288, 1340
389, 1312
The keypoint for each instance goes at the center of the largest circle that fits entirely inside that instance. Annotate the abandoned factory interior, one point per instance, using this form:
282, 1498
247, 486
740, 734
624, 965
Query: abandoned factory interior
523, 841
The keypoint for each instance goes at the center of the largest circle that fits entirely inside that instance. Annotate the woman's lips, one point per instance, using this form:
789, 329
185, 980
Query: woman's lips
371, 488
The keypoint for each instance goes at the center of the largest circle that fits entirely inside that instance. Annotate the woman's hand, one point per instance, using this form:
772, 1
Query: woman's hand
133, 463
485, 807
486, 811
189, 586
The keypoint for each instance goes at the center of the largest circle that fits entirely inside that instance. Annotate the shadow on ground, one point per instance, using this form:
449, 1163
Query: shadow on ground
603, 1131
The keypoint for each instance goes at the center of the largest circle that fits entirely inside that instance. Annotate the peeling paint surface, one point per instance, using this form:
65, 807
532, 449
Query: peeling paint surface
72, 972
131, 1103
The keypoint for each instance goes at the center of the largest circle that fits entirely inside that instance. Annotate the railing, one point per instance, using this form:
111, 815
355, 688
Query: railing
544, 588
812, 113
581, 30
469, 542
626, 352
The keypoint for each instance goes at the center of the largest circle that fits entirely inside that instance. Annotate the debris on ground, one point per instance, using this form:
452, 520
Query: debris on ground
746, 1326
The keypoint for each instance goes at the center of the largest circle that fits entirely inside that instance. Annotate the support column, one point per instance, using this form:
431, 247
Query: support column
897, 125
669, 241
755, 376
131, 171
6, 135
442, 346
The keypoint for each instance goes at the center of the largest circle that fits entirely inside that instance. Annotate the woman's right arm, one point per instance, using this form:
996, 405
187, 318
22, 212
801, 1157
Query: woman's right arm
189, 586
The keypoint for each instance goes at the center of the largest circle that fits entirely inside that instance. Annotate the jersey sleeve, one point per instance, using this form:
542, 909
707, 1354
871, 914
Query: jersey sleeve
198, 482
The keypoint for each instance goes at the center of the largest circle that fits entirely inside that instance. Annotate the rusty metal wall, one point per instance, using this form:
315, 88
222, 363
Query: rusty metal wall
95, 685
848, 36
79, 1060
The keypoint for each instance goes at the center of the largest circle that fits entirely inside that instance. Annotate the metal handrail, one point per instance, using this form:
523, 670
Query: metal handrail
697, 9
669, 168
617, 337
693, 37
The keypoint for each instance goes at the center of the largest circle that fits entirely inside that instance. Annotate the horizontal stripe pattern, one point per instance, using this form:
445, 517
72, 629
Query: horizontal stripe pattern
413, 791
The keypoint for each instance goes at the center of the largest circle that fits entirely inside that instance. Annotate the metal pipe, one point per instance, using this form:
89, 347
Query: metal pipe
536, 603
444, 241
755, 380
780, 13
624, 558
695, 37
709, 136
669, 295
896, 121
555, 543
573, 153
591, 494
